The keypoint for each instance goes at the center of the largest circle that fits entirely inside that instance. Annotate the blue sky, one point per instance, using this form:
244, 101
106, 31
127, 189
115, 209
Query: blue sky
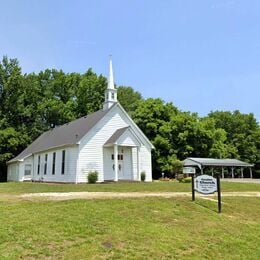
202, 55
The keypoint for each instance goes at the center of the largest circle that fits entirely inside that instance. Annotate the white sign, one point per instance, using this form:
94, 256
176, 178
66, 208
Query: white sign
189, 170
205, 184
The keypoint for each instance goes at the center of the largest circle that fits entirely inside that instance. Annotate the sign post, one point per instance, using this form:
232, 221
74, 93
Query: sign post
219, 194
192, 187
206, 184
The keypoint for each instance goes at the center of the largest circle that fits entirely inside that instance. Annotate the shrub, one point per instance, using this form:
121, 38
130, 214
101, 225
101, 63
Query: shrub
143, 176
180, 177
167, 179
186, 180
92, 177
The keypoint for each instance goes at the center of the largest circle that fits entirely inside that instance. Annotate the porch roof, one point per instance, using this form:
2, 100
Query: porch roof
120, 134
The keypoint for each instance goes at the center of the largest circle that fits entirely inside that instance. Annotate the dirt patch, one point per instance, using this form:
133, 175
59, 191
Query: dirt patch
118, 195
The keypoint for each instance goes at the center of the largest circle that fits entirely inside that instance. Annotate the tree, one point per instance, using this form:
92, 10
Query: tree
150, 115
128, 98
30, 103
89, 95
242, 133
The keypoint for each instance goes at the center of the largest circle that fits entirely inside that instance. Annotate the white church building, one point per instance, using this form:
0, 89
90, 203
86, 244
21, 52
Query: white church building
107, 141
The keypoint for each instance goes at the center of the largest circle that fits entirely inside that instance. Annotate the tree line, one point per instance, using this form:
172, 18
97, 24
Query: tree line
30, 103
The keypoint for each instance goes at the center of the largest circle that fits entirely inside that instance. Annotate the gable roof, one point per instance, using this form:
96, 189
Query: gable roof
119, 133
136, 126
114, 137
67, 134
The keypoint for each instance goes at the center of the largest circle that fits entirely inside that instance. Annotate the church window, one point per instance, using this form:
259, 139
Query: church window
120, 157
39, 163
45, 164
53, 163
27, 169
63, 162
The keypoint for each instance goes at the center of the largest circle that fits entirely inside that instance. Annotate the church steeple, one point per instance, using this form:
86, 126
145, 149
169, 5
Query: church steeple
111, 76
111, 92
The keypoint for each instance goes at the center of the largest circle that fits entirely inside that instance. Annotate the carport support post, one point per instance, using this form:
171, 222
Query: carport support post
250, 169
242, 172
116, 161
223, 176
232, 172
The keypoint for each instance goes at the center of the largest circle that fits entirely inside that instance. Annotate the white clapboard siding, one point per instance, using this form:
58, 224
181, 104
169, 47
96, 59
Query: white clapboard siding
13, 172
90, 154
91, 150
91, 146
108, 164
28, 161
135, 164
146, 162
71, 154
128, 139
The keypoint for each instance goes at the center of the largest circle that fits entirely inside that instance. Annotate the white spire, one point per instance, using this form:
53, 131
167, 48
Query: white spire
111, 76
111, 92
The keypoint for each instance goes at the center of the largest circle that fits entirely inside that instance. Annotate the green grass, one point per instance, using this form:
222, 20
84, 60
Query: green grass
130, 229
28, 187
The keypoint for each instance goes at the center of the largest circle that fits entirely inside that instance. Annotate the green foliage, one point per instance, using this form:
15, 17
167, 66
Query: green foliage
128, 98
243, 133
30, 103
177, 166
186, 180
177, 135
92, 177
89, 95
143, 176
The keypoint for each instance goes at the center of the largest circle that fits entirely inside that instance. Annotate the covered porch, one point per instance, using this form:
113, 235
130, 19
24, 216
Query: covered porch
121, 156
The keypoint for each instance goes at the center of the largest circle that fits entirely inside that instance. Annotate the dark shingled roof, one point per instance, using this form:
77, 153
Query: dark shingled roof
116, 135
67, 134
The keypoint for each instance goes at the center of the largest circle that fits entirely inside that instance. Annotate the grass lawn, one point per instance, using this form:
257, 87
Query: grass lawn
151, 228
28, 187
144, 228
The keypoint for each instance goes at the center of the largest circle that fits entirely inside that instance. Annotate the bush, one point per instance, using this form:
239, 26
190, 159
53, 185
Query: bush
92, 177
186, 180
167, 179
180, 177
142, 176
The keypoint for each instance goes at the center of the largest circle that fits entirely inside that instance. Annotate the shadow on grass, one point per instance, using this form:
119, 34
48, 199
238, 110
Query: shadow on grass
207, 204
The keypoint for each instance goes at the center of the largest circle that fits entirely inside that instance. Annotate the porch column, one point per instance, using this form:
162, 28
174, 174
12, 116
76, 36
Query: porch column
212, 171
223, 176
116, 161
201, 170
232, 172
250, 169
242, 172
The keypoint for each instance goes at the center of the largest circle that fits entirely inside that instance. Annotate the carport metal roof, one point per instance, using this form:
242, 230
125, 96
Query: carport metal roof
201, 162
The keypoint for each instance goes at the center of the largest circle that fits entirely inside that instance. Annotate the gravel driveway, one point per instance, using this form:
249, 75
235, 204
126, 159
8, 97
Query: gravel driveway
120, 195
240, 180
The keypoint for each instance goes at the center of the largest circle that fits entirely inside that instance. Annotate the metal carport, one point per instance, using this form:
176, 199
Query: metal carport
201, 163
